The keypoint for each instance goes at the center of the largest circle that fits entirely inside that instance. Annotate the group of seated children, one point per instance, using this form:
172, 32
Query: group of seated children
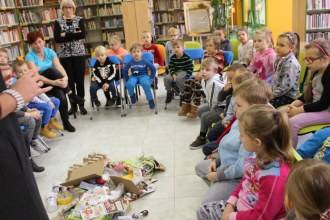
36, 117
250, 164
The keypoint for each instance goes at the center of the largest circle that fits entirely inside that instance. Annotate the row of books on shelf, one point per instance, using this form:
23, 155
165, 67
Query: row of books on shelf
168, 5
13, 52
24, 3
162, 30
313, 36
91, 25
46, 15
112, 23
8, 36
168, 17
90, 2
102, 11
318, 4
107, 34
7, 4
47, 31
317, 21
8, 18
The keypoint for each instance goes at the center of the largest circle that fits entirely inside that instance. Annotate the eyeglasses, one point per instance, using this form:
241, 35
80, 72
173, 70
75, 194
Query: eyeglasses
311, 60
173, 35
67, 7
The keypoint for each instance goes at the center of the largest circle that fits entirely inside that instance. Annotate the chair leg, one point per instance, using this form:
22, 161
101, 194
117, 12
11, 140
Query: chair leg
43, 142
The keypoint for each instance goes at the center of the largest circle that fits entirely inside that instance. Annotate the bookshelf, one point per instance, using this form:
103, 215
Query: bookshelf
167, 14
10, 30
103, 18
317, 19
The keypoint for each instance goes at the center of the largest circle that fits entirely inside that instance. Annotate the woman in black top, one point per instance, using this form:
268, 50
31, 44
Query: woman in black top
69, 32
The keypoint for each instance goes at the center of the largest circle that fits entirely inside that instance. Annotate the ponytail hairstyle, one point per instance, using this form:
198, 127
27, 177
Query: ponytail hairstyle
268, 34
307, 189
323, 48
272, 128
294, 41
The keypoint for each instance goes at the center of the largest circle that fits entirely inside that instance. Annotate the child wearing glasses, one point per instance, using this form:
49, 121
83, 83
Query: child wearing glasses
313, 107
174, 34
287, 70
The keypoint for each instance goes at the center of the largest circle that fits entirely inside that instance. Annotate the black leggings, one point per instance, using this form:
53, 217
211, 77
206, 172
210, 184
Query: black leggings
75, 68
58, 92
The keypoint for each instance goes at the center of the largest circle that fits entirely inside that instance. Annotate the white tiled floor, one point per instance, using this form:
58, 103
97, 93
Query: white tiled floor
165, 136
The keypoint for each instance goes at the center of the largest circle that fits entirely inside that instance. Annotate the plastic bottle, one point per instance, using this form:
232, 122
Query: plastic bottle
51, 202
118, 192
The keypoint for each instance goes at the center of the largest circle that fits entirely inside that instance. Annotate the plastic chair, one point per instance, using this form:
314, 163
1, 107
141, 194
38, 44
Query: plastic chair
192, 44
161, 49
116, 61
235, 43
229, 57
150, 57
195, 54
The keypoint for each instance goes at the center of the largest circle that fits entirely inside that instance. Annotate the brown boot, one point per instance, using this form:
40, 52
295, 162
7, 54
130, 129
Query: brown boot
53, 124
193, 112
46, 132
185, 109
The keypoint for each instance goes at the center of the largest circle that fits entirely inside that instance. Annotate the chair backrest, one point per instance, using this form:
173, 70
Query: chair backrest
148, 56
192, 44
229, 56
114, 59
92, 62
195, 53
127, 58
303, 69
161, 49
235, 43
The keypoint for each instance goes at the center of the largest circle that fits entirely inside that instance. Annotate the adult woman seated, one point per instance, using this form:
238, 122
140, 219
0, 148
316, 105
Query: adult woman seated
51, 73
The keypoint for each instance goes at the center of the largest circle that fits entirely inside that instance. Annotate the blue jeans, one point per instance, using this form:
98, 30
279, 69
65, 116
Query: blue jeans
144, 81
96, 86
47, 109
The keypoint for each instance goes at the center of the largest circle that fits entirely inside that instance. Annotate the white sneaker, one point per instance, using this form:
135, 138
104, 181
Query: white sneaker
37, 145
34, 153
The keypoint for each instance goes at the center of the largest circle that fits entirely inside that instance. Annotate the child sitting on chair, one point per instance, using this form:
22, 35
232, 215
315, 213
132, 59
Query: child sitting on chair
42, 102
116, 48
174, 34
181, 68
103, 75
220, 33
210, 84
139, 74
152, 48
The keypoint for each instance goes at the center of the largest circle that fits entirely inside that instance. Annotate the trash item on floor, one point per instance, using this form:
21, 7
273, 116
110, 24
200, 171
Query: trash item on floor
132, 217
64, 198
51, 202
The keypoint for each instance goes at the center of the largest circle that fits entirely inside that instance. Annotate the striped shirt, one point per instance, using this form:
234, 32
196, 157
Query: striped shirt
181, 64
42, 98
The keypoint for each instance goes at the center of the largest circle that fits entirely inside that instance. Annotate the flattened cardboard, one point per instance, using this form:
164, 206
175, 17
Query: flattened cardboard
129, 185
93, 170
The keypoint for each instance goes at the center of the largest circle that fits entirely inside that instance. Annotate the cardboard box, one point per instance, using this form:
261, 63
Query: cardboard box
88, 171
129, 185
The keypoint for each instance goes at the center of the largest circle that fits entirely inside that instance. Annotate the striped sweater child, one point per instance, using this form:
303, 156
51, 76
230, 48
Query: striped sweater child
181, 64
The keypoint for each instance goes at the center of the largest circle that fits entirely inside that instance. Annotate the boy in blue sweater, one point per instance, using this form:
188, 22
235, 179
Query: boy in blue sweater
139, 74
225, 169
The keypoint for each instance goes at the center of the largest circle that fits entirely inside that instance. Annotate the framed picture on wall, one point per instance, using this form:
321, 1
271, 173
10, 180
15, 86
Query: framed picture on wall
198, 17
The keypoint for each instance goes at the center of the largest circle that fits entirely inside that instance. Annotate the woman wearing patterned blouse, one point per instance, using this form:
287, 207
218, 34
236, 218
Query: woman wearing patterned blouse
69, 33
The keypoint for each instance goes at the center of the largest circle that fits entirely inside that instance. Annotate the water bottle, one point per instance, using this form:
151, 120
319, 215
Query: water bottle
118, 192
51, 202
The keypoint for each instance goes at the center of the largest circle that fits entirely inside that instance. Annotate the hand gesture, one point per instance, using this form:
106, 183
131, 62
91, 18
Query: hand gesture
212, 166
226, 212
62, 83
225, 123
51, 104
228, 86
212, 177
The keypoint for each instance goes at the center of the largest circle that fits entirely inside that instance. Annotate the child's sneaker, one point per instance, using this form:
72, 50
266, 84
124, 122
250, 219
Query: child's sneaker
110, 102
118, 102
46, 132
151, 104
33, 152
169, 97
35, 167
133, 99
36, 145
198, 143
53, 124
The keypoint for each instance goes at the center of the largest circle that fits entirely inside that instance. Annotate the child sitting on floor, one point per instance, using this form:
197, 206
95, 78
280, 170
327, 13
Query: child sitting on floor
265, 132
210, 84
42, 102
139, 69
307, 190
103, 76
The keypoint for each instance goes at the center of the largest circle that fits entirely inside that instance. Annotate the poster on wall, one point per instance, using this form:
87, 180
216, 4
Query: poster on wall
198, 17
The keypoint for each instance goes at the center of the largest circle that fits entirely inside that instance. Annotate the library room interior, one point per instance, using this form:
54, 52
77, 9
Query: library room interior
164, 109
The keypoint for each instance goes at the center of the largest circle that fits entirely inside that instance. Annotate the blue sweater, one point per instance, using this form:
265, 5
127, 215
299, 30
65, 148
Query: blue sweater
139, 68
232, 155
313, 145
